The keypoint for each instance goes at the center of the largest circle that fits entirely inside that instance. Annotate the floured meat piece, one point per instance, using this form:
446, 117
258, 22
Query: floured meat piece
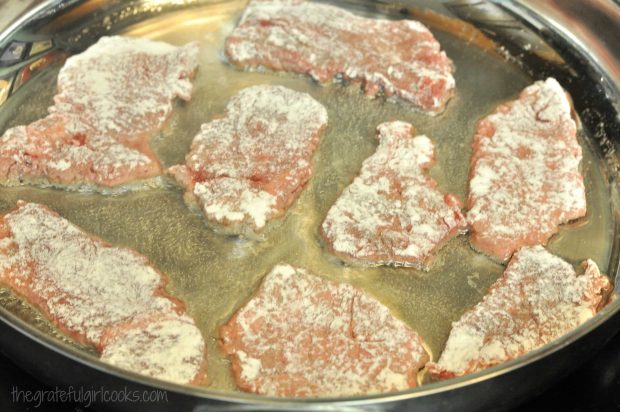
538, 299
87, 287
396, 57
392, 213
304, 336
166, 347
524, 173
111, 99
83, 284
248, 167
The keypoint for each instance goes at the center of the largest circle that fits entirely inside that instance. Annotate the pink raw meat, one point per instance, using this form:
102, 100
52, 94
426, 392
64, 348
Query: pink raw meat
93, 292
111, 99
524, 173
303, 336
248, 167
397, 57
392, 213
538, 299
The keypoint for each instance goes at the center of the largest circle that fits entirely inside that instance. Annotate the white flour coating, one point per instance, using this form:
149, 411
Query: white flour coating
125, 86
392, 213
169, 348
525, 178
235, 200
301, 335
537, 300
111, 99
247, 168
400, 58
84, 285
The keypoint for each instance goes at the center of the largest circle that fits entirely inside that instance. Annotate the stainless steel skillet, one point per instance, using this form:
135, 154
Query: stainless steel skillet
497, 49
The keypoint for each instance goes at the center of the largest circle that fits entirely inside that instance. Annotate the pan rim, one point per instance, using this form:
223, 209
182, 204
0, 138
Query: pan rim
51, 343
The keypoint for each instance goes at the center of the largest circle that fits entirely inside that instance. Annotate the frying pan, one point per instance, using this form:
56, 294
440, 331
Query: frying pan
576, 43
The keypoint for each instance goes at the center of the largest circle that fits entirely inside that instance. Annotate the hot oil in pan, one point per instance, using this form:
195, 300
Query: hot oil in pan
215, 274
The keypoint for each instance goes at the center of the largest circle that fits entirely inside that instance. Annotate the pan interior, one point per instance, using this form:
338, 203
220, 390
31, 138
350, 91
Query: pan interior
215, 274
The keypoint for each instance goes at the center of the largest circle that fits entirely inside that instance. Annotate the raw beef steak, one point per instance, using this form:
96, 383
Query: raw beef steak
90, 289
392, 213
248, 167
538, 299
524, 173
396, 57
303, 336
111, 99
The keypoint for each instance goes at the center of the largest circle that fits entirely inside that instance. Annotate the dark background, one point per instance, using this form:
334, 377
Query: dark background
595, 386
